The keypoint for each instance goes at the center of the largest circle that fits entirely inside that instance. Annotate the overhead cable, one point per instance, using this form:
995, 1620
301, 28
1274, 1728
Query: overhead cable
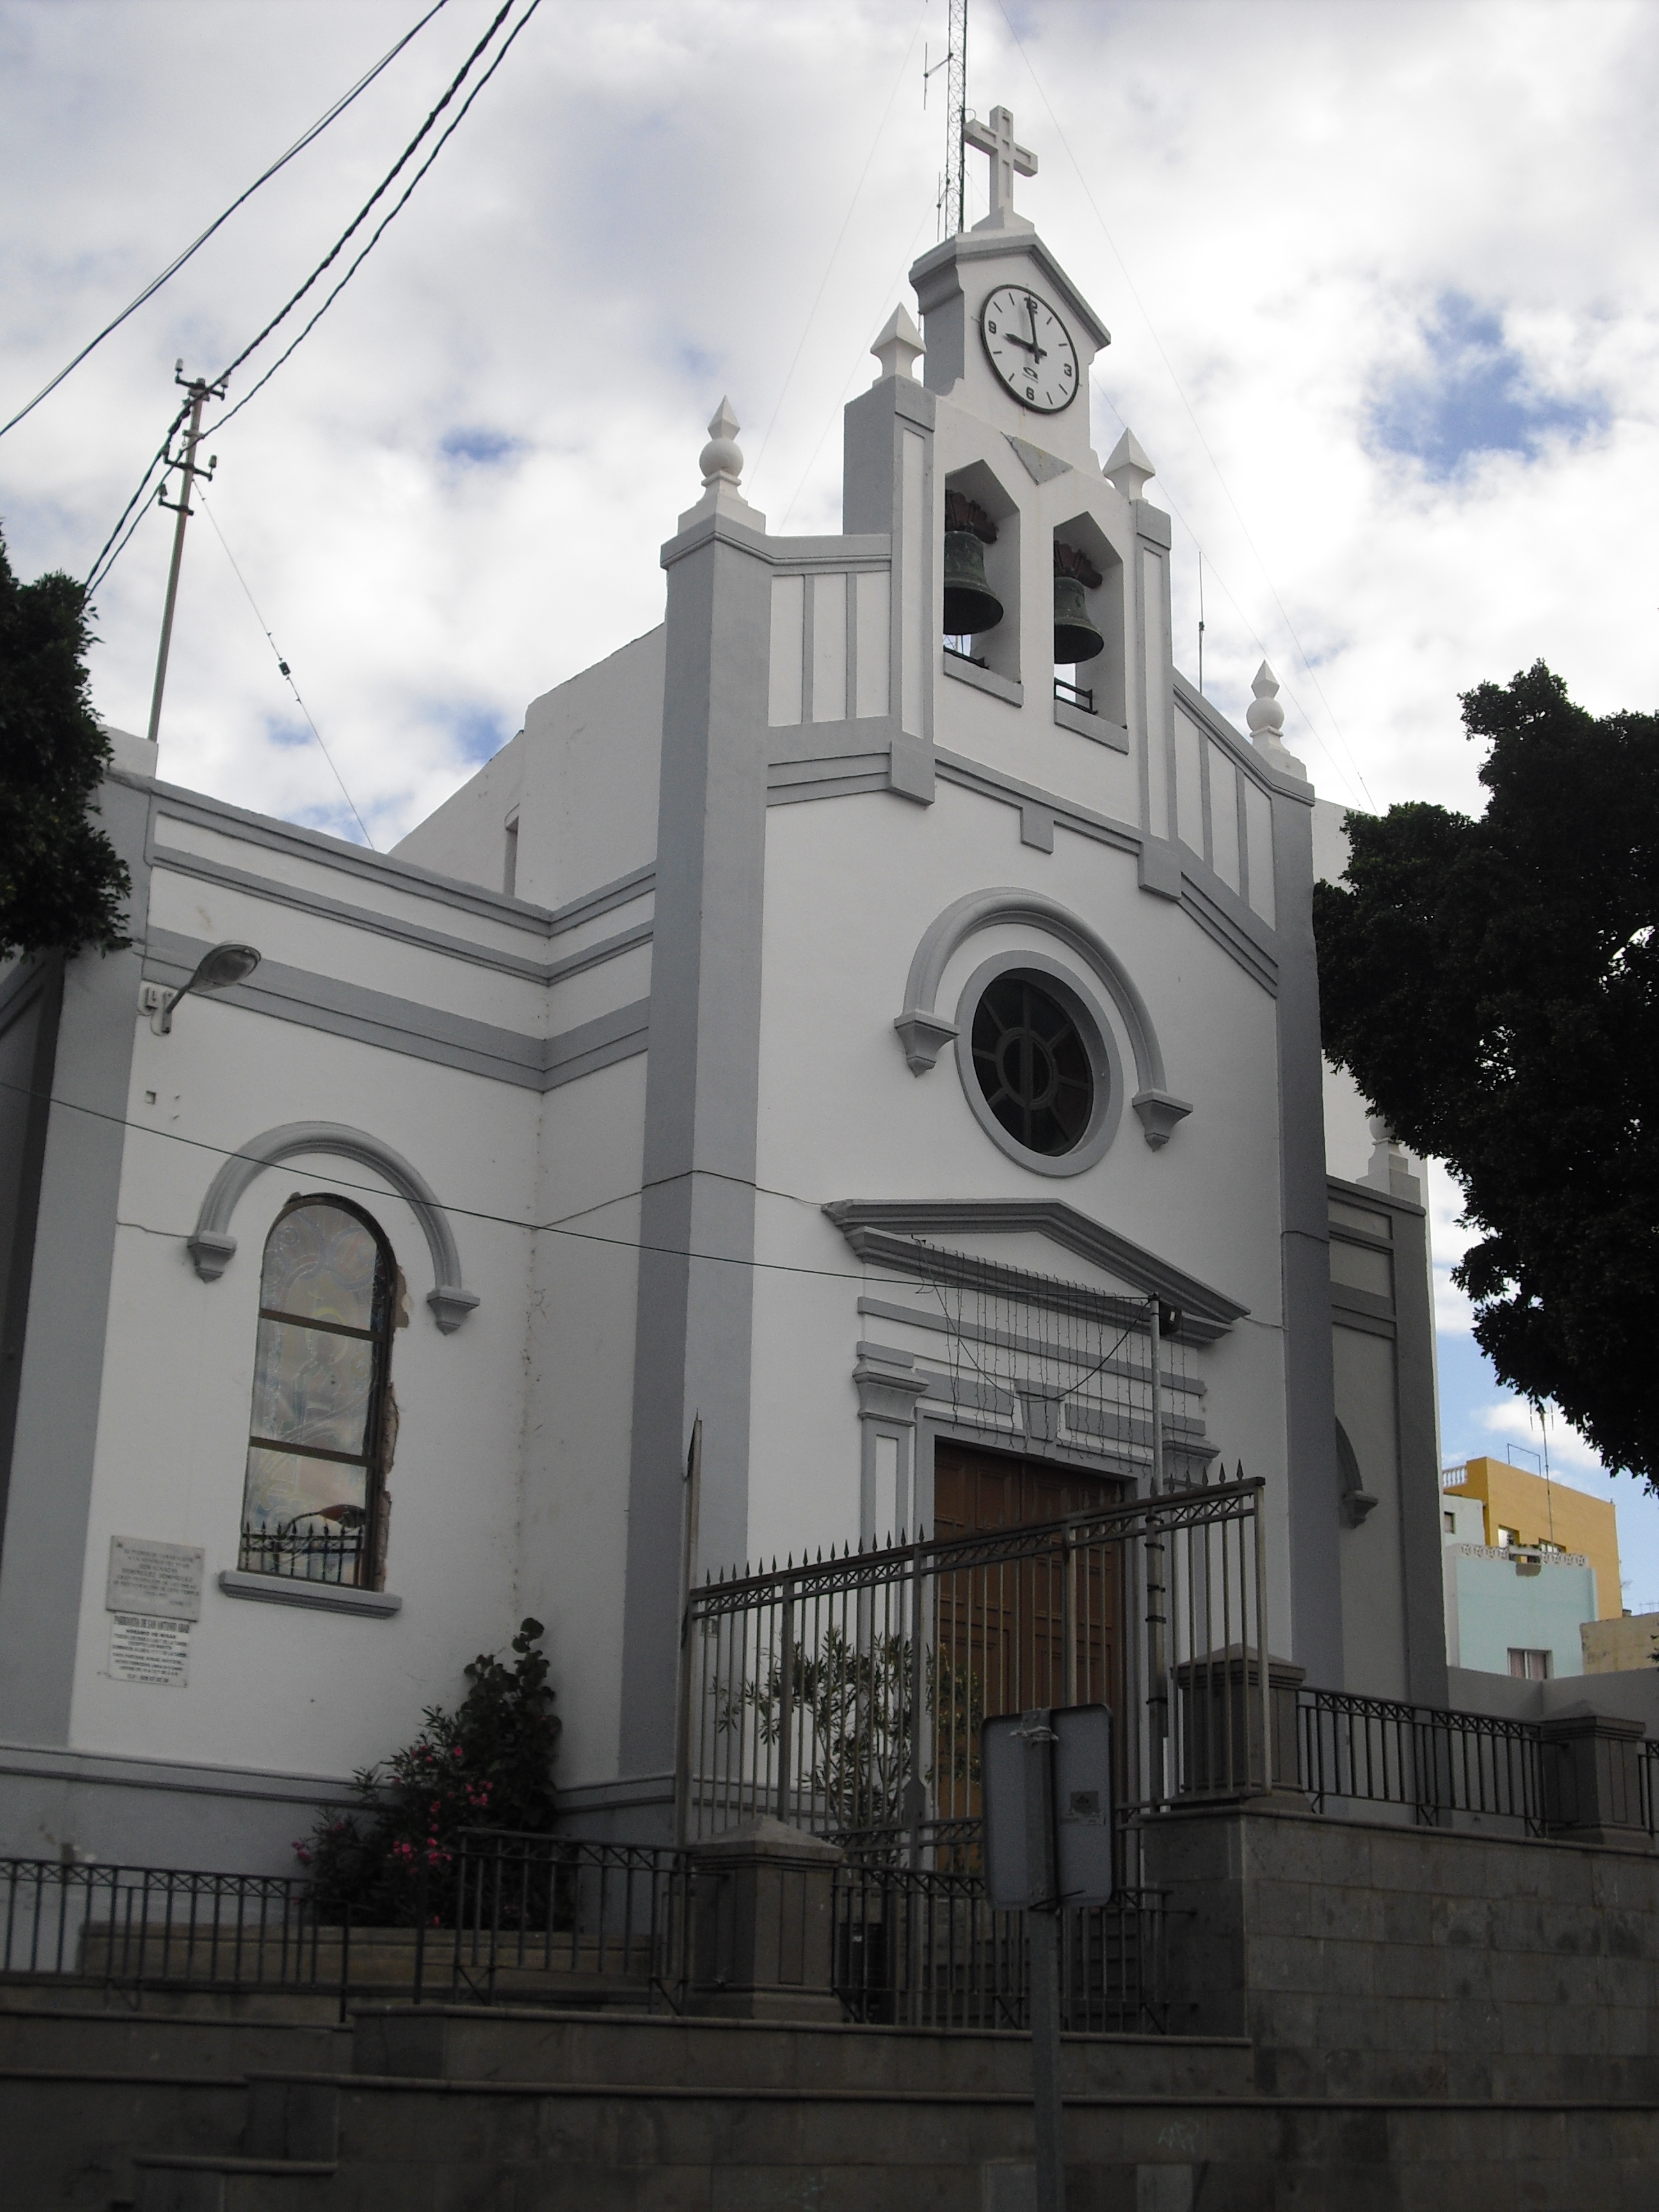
102, 567
107, 557
287, 673
219, 222
357, 220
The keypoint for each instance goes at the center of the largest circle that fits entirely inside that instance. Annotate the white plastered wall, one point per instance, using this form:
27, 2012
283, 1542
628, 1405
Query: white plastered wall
851, 885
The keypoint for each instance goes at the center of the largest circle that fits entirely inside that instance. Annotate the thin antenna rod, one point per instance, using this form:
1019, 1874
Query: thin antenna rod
956, 119
1200, 622
198, 393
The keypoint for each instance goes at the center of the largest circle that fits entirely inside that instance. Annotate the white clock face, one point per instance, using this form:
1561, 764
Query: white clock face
1031, 349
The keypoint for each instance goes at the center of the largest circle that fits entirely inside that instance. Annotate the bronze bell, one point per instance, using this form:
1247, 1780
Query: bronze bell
971, 605
1076, 637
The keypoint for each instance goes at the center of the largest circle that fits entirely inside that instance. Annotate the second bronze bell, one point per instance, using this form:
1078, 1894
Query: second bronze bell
1076, 637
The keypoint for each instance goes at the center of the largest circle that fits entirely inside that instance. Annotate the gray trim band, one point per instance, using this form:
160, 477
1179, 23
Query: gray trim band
321, 1597
170, 799
404, 1025
169, 858
212, 1248
120, 1771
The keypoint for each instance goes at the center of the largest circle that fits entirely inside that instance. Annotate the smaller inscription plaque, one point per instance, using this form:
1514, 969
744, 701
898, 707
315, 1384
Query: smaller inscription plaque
148, 1576
145, 1647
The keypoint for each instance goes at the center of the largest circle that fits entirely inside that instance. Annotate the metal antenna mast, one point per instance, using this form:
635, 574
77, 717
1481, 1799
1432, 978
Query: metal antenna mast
200, 394
956, 117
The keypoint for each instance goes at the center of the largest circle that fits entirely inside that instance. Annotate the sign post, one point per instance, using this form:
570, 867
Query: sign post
1045, 1791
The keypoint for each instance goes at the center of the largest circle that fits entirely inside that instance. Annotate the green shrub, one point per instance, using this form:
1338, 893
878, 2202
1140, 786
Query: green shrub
487, 1765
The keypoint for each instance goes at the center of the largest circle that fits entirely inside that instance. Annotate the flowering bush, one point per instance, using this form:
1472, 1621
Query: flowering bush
487, 1765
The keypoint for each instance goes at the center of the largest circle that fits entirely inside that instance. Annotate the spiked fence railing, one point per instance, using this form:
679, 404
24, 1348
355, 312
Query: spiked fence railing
845, 1695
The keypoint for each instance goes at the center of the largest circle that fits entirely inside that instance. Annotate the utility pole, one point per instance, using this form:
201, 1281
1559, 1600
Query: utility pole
200, 394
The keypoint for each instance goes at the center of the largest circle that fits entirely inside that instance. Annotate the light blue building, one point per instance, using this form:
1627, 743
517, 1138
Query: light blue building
1516, 1610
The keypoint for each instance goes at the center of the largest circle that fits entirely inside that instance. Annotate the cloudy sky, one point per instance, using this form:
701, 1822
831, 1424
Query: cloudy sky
1383, 281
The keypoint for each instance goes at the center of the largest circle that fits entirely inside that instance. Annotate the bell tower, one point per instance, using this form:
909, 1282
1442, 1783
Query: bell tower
1010, 338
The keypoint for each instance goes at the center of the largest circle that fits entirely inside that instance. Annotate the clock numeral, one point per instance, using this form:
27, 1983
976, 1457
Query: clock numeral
991, 328
1066, 369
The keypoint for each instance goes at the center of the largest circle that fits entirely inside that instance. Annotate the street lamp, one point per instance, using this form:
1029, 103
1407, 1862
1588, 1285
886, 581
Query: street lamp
216, 970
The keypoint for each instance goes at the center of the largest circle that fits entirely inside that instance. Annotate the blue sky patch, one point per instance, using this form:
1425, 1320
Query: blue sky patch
1475, 396
479, 732
479, 448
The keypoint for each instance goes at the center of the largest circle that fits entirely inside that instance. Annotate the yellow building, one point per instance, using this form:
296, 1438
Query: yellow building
1617, 1647
1522, 1509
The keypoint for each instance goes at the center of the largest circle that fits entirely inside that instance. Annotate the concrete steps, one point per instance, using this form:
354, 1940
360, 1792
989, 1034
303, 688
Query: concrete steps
457, 2109
407, 2145
84, 2090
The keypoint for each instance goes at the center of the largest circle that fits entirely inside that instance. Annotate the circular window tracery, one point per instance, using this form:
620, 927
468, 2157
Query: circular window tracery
1033, 1065
1039, 1064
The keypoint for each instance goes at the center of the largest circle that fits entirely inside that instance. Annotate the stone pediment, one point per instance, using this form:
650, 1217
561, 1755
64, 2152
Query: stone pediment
905, 1236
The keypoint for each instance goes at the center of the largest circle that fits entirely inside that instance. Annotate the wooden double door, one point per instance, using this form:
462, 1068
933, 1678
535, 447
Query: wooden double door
1045, 1629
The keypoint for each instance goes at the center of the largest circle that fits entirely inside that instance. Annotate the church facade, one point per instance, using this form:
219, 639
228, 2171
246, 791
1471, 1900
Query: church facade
894, 915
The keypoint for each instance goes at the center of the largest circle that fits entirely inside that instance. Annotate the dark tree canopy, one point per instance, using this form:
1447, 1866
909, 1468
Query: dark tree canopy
1492, 986
61, 882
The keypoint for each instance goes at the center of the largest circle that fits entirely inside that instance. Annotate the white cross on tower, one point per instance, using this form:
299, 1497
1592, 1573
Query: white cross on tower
1008, 160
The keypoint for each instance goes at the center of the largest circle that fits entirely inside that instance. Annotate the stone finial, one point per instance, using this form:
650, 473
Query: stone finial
899, 347
1130, 466
722, 463
1390, 1168
721, 458
1265, 712
1266, 718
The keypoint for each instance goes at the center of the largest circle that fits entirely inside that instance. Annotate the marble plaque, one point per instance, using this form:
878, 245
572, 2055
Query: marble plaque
148, 1576
147, 1647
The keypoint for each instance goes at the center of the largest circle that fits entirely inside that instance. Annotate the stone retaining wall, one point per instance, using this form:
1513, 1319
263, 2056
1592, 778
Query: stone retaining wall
1387, 1962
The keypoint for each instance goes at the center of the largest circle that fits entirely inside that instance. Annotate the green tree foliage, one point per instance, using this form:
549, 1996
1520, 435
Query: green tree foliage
1493, 986
61, 883
487, 1765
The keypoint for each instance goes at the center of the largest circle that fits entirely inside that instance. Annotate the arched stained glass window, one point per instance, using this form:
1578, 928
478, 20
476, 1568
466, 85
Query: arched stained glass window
314, 1505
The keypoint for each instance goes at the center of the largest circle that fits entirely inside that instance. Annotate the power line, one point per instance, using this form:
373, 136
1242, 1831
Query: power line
102, 566
219, 222
829, 264
282, 664
362, 214
1244, 622
472, 1212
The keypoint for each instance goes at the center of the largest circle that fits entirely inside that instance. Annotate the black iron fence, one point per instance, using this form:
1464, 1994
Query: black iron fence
924, 1949
1374, 1751
845, 1695
541, 1919
544, 1921
131, 1928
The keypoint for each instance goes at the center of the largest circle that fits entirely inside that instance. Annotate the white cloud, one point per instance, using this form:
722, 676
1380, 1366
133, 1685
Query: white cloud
642, 212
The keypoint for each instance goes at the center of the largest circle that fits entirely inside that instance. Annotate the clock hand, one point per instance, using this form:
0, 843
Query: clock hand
1037, 352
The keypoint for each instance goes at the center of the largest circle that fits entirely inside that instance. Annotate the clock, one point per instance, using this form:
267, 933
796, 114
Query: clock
1030, 349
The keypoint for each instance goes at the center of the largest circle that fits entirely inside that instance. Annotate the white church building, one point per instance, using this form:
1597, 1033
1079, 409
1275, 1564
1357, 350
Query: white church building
848, 931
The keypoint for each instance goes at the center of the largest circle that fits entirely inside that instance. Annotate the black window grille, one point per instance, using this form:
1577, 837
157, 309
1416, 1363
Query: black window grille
1033, 1065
